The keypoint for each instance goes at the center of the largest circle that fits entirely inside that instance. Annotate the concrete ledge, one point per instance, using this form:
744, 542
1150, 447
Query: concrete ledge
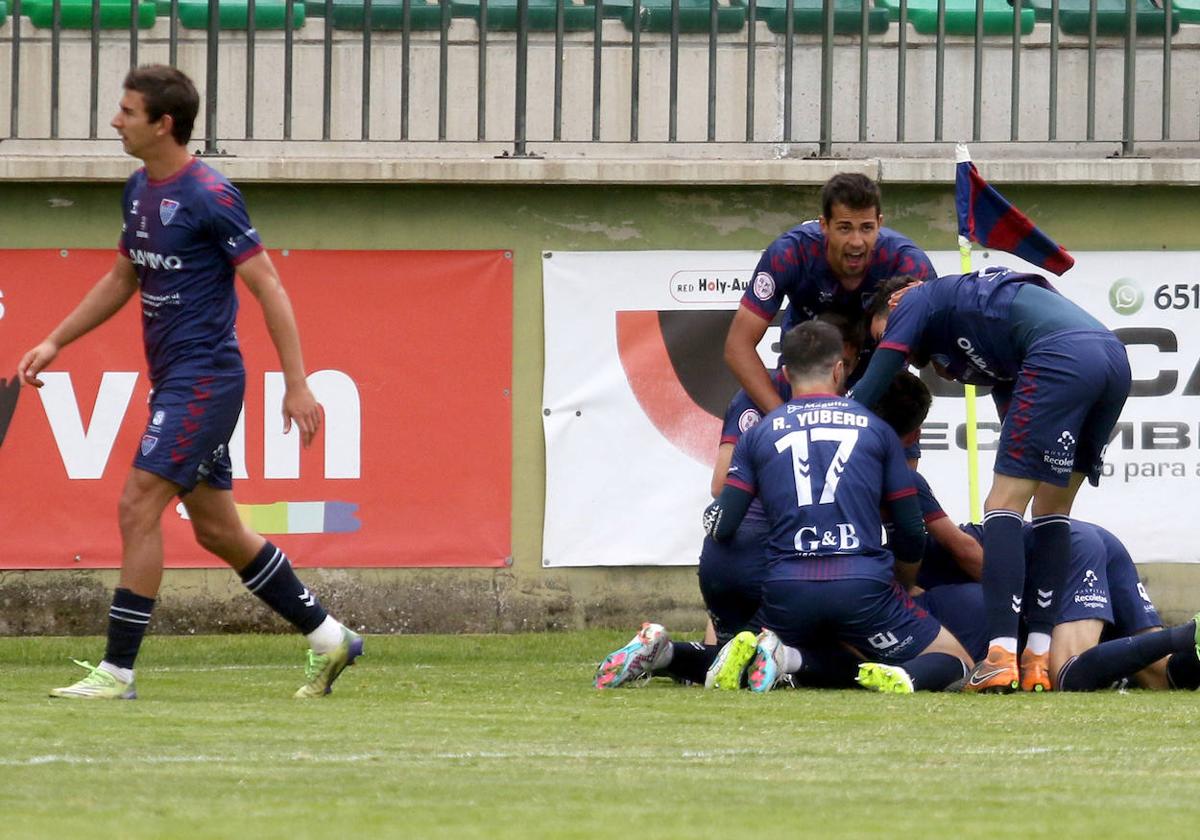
633, 164
376, 600
428, 601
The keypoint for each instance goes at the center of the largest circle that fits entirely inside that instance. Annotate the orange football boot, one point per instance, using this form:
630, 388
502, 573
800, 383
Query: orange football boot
1035, 671
997, 674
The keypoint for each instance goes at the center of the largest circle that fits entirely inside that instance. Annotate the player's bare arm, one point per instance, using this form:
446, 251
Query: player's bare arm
741, 355
100, 303
721, 468
299, 404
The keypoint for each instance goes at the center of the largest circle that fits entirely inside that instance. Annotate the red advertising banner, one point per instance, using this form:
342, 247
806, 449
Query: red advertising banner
409, 352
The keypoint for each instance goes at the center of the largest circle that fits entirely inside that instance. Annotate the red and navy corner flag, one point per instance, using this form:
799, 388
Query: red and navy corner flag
986, 217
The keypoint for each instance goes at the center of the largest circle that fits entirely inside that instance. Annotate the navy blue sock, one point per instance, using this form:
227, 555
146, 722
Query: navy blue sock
1003, 571
1183, 670
934, 671
826, 667
1107, 663
1047, 569
270, 577
128, 618
690, 661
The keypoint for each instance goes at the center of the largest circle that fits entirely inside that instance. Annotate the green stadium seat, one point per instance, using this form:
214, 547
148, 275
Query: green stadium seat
235, 14
960, 16
386, 15
1186, 11
3, 12
77, 14
694, 15
806, 14
1110, 16
502, 14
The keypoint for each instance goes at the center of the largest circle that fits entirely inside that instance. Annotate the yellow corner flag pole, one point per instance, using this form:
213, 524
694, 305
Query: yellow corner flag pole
964, 255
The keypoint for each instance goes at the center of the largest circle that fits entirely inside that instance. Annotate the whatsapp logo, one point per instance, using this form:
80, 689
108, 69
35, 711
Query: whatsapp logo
1125, 297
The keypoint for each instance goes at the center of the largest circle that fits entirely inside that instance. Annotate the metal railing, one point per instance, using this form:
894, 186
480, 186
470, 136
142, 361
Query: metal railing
503, 63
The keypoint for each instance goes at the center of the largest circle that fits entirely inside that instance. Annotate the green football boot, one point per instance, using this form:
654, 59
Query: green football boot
730, 665
97, 685
1196, 621
323, 668
886, 679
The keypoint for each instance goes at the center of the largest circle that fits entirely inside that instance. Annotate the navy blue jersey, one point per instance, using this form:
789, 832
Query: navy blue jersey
184, 236
823, 466
794, 266
962, 323
931, 508
742, 415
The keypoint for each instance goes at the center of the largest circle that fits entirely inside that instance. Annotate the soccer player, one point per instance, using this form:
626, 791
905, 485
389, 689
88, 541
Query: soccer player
731, 574
832, 264
1108, 629
823, 467
185, 234
1060, 379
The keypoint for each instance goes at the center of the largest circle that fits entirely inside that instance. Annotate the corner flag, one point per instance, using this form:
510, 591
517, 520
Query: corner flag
986, 217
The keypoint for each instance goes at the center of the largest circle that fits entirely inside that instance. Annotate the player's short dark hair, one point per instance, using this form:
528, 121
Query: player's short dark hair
850, 328
905, 404
811, 349
878, 304
853, 191
166, 90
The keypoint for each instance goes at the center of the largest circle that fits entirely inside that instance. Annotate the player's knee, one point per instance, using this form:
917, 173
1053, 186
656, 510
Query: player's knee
947, 642
210, 536
137, 511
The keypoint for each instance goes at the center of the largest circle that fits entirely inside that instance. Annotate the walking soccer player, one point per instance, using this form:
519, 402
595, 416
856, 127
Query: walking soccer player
185, 234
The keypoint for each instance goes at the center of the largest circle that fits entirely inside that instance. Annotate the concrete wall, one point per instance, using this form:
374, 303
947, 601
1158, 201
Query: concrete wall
526, 219
462, 123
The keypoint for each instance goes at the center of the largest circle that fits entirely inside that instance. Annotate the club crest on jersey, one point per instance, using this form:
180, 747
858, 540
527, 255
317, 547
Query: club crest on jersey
748, 420
148, 443
166, 210
764, 286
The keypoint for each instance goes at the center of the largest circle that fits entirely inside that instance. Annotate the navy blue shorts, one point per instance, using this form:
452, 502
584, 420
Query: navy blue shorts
877, 619
1065, 403
1133, 611
191, 422
1084, 592
959, 608
731, 578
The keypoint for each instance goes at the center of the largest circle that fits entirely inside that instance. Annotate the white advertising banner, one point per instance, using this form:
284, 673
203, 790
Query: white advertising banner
635, 388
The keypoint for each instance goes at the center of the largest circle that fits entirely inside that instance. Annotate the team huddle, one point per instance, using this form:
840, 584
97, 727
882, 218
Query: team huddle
818, 461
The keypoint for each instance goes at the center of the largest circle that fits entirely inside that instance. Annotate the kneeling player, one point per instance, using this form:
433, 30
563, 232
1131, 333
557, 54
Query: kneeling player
823, 467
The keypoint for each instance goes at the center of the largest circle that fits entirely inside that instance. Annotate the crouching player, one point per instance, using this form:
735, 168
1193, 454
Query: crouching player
823, 467
1108, 630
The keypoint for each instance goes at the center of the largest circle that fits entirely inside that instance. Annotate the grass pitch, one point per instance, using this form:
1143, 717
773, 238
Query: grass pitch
504, 737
